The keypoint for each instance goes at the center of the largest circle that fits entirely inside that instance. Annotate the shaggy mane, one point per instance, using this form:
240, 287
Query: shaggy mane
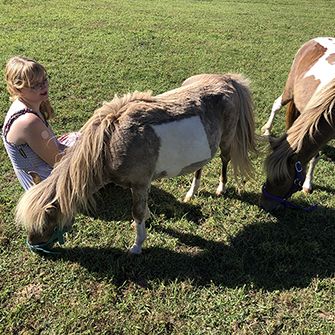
321, 105
276, 162
71, 184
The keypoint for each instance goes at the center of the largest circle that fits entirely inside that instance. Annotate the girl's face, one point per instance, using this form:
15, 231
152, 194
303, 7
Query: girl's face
37, 92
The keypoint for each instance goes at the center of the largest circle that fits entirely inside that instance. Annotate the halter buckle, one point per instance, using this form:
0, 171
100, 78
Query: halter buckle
298, 166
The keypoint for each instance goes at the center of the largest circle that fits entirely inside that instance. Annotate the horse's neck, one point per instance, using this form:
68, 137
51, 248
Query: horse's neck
313, 144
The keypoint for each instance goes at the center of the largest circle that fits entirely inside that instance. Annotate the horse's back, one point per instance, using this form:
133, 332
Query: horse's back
323, 69
180, 130
313, 68
209, 78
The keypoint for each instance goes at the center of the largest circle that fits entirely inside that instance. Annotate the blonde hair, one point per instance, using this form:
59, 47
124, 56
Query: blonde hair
23, 72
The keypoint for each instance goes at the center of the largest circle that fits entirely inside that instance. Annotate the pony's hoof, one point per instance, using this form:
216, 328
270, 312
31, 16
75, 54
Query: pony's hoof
187, 198
265, 131
221, 190
307, 190
135, 250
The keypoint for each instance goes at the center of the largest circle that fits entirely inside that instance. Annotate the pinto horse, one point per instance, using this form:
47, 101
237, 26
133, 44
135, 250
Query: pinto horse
138, 138
286, 164
312, 69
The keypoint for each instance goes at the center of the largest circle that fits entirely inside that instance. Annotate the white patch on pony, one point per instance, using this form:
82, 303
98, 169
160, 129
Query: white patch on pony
183, 143
322, 69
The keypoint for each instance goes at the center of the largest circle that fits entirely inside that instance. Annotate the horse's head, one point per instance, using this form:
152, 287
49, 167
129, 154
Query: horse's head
51, 230
275, 193
285, 176
40, 214
47, 221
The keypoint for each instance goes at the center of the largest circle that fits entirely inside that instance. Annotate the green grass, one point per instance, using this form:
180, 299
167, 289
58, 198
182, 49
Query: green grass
215, 266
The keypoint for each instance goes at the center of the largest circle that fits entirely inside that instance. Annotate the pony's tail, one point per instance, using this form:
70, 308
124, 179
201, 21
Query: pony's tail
245, 138
292, 114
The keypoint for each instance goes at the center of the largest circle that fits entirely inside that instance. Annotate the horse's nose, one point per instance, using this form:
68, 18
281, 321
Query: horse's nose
268, 205
36, 238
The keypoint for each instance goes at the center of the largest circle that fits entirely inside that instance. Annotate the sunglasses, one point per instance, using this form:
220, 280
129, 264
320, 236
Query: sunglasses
40, 85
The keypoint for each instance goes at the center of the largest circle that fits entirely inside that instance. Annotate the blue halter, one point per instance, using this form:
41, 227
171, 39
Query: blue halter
46, 248
296, 186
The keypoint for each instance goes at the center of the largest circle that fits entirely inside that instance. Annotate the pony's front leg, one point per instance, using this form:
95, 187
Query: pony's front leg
194, 187
266, 129
307, 186
140, 214
141, 235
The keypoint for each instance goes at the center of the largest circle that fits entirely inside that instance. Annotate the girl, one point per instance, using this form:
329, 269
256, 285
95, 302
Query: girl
29, 140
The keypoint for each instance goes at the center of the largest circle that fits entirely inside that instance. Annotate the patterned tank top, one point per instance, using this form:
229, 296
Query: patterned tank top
23, 158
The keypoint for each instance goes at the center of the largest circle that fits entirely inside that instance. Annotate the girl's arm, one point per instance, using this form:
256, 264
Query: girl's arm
39, 137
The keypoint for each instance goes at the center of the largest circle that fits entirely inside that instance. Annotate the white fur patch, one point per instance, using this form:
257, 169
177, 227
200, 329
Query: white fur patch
322, 69
183, 142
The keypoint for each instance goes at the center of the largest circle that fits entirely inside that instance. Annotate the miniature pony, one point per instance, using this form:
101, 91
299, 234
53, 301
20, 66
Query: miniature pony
138, 138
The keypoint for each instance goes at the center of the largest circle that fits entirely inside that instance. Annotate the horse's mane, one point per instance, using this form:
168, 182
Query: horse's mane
321, 105
76, 177
86, 159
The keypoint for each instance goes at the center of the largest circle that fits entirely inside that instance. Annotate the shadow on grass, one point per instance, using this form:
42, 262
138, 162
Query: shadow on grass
114, 203
289, 253
318, 187
329, 152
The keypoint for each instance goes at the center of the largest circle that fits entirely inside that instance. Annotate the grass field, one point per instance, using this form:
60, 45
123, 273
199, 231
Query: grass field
214, 266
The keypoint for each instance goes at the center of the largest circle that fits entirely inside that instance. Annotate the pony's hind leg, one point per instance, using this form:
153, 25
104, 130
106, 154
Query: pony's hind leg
194, 187
308, 185
225, 159
140, 214
277, 105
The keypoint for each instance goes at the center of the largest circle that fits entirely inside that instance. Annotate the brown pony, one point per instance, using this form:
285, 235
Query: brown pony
285, 166
135, 139
312, 69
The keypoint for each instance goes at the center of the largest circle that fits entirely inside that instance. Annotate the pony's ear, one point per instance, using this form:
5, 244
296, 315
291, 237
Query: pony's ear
43, 233
272, 141
51, 210
276, 141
